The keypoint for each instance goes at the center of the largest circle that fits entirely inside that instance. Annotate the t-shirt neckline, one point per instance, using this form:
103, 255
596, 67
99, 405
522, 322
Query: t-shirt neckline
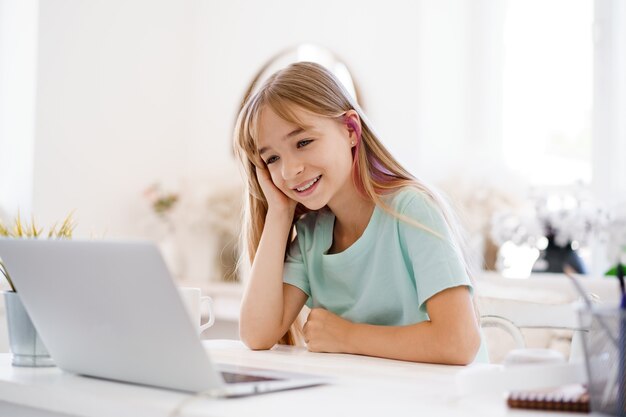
359, 246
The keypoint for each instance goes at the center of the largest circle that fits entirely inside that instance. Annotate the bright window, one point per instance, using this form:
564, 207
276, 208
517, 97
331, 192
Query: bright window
548, 90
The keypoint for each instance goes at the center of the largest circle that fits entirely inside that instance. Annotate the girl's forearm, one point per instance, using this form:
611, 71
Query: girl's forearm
421, 342
261, 318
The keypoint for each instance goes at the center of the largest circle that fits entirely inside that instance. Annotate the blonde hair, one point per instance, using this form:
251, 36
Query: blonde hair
376, 173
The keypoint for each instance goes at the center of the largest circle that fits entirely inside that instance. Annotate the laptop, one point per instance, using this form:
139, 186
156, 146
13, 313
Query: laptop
110, 309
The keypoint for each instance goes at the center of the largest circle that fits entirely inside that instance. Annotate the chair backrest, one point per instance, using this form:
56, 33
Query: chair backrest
512, 315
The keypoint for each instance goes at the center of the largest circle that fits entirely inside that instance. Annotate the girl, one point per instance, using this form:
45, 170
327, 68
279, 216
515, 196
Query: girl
332, 220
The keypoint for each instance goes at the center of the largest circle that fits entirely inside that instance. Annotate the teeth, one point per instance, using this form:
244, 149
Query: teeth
309, 185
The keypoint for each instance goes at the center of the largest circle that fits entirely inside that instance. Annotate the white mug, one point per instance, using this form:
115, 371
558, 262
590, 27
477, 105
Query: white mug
193, 300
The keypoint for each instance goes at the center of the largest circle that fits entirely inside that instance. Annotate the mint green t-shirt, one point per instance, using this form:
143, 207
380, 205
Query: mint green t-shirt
387, 275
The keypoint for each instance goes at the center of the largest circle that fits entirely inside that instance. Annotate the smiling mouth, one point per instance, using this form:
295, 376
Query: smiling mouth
308, 185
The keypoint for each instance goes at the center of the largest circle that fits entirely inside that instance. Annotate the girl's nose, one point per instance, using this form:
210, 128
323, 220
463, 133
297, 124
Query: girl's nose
291, 168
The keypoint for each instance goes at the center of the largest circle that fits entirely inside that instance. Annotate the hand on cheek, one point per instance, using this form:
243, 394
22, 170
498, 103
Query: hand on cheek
326, 332
276, 199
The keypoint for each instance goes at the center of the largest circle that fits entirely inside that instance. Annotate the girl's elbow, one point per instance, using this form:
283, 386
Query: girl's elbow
255, 339
258, 345
465, 352
255, 342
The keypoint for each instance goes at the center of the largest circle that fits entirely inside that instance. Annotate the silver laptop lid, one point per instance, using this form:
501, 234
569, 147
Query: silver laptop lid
109, 309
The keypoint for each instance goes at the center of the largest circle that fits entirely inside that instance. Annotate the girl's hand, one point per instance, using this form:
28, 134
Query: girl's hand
276, 199
326, 332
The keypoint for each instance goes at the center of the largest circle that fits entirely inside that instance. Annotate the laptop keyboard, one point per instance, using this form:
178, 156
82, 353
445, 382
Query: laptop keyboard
232, 378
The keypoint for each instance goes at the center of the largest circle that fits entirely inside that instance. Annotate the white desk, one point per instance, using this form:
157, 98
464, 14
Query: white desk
361, 386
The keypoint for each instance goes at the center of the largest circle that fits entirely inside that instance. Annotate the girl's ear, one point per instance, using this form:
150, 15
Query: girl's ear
353, 123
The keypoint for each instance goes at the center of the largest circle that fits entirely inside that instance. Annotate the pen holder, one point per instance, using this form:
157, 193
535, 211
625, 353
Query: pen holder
26, 346
605, 353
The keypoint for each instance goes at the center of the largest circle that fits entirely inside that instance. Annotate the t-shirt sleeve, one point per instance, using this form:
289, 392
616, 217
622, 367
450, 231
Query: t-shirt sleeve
436, 262
294, 270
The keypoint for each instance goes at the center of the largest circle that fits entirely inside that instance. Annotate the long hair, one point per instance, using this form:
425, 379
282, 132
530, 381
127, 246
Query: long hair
375, 172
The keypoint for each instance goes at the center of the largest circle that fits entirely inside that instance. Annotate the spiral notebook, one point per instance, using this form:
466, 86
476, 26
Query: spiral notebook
572, 398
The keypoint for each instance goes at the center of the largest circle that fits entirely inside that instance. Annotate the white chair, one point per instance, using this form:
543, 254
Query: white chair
513, 315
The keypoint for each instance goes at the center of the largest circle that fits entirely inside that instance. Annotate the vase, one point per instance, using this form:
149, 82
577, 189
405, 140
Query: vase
27, 348
554, 258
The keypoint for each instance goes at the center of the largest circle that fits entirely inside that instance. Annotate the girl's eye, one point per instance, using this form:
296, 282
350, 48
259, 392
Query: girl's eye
271, 160
303, 142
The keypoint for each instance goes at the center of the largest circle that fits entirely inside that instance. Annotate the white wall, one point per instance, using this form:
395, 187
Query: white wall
120, 105
408, 58
116, 107
132, 92
18, 46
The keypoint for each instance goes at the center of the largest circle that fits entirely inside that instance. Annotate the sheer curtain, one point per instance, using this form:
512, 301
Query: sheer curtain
548, 90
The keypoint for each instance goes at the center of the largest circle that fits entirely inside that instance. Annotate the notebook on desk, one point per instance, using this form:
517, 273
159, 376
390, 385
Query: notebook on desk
110, 309
573, 398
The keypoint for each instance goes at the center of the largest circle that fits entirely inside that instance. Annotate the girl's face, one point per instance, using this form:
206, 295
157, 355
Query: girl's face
311, 165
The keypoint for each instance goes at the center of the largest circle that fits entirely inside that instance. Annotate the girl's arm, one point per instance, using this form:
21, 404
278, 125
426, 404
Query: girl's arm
450, 337
269, 307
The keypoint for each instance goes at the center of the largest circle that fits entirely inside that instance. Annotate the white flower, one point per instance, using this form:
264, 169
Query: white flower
565, 216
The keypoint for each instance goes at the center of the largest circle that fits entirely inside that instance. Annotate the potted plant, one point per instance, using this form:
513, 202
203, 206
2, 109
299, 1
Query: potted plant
26, 345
